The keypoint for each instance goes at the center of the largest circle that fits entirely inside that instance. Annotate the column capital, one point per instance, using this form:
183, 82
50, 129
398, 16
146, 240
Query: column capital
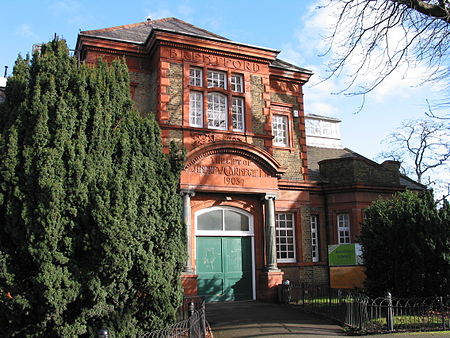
270, 196
190, 193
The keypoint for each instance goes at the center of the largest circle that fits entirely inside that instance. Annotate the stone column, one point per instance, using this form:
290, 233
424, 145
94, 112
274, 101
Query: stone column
271, 249
187, 217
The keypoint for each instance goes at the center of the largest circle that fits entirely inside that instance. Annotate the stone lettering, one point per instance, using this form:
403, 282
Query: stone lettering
233, 180
237, 64
228, 166
213, 60
173, 53
206, 59
197, 57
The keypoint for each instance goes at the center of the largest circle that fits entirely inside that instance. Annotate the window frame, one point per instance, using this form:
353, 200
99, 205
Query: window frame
228, 86
237, 86
192, 79
238, 116
194, 115
224, 232
213, 114
287, 131
279, 244
216, 76
315, 232
343, 228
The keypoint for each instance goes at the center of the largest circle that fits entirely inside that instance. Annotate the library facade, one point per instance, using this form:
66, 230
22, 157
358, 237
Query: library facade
266, 188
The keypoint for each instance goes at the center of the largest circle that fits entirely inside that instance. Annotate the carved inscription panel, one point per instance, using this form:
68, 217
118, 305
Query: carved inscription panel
210, 59
200, 139
227, 170
285, 86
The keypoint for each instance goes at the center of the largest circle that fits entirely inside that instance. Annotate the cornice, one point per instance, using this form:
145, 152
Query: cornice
285, 184
194, 48
115, 51
225, 46
337, 189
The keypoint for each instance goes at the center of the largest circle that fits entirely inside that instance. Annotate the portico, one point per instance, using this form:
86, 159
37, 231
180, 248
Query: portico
229, 190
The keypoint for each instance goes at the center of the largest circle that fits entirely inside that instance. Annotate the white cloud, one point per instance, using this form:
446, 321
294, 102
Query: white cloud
72, 11
291, 54
27, 31
159, 14
185, 10
321, 108
65, 7
160, 10
403, 83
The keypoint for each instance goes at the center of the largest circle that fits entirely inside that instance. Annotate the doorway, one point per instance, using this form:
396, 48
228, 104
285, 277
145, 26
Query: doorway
225, 262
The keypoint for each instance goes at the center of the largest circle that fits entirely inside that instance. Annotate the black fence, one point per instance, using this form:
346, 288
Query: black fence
192, 322
362, 313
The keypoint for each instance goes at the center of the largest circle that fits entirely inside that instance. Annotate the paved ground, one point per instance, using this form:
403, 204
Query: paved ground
257, 319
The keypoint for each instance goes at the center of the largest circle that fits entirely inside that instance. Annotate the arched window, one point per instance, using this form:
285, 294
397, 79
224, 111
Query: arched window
224, 221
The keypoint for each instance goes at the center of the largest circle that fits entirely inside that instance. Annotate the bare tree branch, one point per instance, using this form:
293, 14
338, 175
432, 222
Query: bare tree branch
439, 10
422, 146
371, 39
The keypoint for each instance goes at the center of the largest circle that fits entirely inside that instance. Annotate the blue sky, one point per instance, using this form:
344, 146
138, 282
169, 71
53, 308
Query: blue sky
292, 26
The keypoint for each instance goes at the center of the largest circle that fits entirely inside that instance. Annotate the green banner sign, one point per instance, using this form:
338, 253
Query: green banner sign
344, 255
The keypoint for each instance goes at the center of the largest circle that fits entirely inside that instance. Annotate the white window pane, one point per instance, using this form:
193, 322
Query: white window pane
212, 220
196, 109
195, 76
280, 130
237, 83
235, 221
285, 237
237, 112
217, 111
314, 238
217, 79
343, 222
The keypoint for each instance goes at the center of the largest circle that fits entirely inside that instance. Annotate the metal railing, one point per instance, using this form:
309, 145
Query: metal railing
402, 314
319, 298
195, 325
192, 322
360, 312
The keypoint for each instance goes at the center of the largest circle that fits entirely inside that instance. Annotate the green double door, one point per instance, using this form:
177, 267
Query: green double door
224, 268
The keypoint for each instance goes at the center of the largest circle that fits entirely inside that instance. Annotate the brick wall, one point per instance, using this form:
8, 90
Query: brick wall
175, 91
145, 91
291, 161
258, 118
175, 135
291, 158
314, 274
283, 98
306, 233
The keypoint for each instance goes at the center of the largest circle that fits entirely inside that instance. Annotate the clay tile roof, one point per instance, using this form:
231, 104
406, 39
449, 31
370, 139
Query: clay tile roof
140, 31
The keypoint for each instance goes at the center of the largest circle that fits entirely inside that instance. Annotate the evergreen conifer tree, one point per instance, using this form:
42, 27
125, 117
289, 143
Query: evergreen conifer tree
90, 234
406, 246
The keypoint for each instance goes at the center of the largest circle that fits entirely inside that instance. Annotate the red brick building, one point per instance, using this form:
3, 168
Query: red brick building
265, 188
